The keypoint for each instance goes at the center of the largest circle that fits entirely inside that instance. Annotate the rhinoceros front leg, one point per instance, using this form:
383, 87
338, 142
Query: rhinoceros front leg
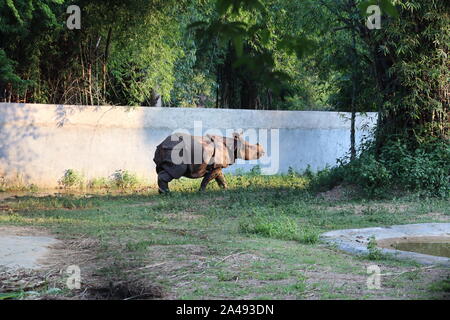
163, 181
210, 175
220, 179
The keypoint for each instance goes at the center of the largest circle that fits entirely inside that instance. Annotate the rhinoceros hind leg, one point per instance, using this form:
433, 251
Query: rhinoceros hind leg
163, 181
220, 179
208, 177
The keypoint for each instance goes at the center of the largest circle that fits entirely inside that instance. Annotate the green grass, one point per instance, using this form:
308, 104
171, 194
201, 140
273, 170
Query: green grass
259, 239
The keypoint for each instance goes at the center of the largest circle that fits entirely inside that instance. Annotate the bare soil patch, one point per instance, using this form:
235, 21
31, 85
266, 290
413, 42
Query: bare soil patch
81, 251
22, 231
360, 209
339, 193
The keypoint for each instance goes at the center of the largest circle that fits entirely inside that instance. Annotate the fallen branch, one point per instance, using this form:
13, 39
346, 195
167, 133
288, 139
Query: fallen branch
413, 270
227, 257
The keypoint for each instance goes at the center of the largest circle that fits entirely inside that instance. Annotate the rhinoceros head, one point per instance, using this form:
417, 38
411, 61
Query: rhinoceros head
247, 151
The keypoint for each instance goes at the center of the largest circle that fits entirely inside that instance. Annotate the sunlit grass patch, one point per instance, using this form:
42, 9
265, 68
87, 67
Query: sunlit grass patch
278, 227
245, 181
441, 286
53, 202
281, 227
45, 221
264, 231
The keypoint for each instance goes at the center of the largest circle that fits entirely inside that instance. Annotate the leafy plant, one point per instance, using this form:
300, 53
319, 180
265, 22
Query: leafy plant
374, 252
72, 178
124, 179
424, 170
256, 170
308, 235
99, 183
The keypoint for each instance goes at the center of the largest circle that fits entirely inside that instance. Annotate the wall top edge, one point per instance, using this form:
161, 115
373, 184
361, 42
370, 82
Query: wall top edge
161, 117
148, 108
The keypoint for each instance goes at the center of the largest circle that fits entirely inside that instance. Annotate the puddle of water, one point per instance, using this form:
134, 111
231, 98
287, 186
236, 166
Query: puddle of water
438, 246
432, 248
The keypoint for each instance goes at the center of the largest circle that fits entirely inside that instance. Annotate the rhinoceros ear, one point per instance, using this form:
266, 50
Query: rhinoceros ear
239, 145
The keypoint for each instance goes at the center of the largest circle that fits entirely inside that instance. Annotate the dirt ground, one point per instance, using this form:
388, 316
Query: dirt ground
50, 278
239, 244
50, 271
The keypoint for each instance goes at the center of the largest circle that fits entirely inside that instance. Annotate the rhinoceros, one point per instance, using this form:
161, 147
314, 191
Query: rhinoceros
184, 155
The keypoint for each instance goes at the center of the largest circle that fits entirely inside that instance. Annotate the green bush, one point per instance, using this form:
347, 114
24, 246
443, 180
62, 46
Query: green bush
374, 252
369, 173
424, 170
99, 183
255, 171
308, 235
71, 178
124, 179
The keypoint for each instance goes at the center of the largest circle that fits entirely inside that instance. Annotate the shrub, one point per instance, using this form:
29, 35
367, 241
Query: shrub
369, 173
292, 173
99, 183
72, 178
374, 252
308, 235
255, 171
326, 179
124, 179
424, 170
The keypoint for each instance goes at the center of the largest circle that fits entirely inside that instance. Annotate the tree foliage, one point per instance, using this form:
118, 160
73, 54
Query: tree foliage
257, 54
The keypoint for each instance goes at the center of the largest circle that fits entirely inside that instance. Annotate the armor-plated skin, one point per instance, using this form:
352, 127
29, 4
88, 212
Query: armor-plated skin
183, 155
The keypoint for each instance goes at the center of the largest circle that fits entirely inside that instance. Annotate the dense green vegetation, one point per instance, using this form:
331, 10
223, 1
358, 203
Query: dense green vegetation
258, 240
257, 54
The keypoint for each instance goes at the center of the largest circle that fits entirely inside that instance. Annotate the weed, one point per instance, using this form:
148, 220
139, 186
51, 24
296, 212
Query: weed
300, 285
71, 178
124, 179
374, 252
441, 286
278, 227
308, 235
99, 183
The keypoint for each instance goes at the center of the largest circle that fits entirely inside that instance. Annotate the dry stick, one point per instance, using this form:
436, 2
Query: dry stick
412, 270
227, 257
139, 296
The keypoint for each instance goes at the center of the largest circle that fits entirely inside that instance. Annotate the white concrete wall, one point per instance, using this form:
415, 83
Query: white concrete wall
39, 142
